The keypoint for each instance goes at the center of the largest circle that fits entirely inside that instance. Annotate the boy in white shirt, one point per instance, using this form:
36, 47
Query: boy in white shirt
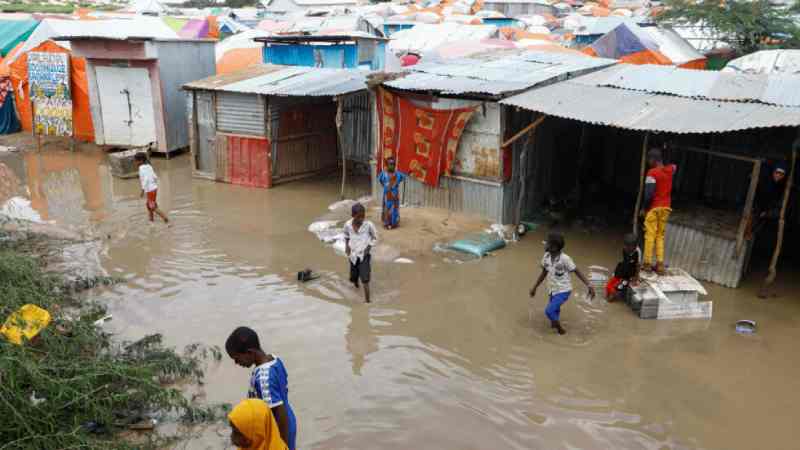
558, 267
360, 236
149, 181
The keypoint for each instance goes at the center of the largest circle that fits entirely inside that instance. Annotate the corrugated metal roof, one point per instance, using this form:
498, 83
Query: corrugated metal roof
782, 90
497, 73
642, 111
287, 81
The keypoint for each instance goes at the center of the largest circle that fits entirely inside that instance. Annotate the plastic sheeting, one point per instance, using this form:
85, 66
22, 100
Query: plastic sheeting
83, 127
12, 32
766, 62
633, 44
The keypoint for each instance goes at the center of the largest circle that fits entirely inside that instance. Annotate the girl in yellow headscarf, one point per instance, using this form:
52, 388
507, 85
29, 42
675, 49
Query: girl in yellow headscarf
254, 428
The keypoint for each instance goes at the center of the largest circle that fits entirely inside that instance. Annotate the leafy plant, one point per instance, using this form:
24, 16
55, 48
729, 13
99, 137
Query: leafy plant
74, 387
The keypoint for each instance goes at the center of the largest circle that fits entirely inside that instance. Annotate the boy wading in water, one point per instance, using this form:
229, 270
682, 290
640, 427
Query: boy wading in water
658, 204
268, 382
360, 236
557, 267
149, 181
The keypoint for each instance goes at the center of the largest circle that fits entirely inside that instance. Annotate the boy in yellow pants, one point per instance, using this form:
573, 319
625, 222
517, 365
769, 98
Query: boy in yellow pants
658, 206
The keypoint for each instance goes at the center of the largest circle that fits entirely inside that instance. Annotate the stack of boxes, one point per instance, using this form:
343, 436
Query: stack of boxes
672, 296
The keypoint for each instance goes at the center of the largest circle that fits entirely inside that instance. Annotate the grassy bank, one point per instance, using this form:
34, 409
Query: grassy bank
74, 386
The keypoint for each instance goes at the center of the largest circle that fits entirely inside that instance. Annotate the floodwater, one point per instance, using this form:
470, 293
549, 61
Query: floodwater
449, 356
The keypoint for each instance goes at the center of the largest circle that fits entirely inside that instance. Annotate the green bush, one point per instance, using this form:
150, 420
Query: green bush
74, 387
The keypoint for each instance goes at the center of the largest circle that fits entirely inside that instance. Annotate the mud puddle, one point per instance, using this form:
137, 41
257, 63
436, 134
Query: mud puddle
450, 356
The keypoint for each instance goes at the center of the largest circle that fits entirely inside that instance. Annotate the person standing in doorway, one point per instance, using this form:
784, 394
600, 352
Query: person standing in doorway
657, 208
149, 182
360, 236
390, 179
557, 266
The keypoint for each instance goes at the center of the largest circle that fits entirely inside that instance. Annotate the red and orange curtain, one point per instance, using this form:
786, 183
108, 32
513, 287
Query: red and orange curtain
423, 141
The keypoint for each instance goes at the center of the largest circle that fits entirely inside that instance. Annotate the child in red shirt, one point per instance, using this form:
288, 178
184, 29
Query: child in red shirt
658, 206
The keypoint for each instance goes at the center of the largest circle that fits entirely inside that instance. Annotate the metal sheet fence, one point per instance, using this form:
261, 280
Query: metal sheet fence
484, 199
706, 257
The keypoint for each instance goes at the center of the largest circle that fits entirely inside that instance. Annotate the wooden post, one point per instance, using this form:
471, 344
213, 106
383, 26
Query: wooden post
748, 207
781, 223
530, 127
641, 183
339, 139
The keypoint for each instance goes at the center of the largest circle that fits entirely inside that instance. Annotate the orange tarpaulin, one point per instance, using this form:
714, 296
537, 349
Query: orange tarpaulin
641, 57
237, 59
81, 112
213, 27
5, 70
422, 140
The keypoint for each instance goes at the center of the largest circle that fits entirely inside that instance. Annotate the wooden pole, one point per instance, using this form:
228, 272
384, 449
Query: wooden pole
747, 213
641, 182
530, 127
341, 146
781, 223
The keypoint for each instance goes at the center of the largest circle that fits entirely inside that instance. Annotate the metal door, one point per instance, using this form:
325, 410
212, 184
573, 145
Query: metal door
206, 126
126, 102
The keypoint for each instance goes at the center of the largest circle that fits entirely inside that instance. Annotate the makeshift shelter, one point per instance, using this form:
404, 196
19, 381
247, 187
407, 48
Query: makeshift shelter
516, 8
423, 38
82, 123
767, 62
134, 87
633, 44
340, 51
13, 32
269, 124
474, 173
719, 128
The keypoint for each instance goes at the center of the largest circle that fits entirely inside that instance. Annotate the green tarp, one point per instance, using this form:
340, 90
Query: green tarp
12, 32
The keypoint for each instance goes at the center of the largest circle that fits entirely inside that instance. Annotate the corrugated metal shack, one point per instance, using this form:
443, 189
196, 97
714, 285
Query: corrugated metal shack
134, 87
269, 124
719, 128
340, 51
482, 169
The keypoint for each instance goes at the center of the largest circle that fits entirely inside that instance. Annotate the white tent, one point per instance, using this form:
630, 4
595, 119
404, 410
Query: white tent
147, 7
767, 61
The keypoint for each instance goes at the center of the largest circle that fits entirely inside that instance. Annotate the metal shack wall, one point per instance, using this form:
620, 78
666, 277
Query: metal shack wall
240, 113
357, 127
180, 62
705, 256
476, 187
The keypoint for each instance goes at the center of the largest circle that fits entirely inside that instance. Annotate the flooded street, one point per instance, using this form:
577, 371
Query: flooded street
449, 356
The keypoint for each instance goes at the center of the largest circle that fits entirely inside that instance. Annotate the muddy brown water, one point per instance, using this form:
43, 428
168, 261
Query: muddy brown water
449, 356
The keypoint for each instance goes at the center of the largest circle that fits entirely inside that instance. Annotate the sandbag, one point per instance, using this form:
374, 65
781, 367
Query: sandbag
479, 244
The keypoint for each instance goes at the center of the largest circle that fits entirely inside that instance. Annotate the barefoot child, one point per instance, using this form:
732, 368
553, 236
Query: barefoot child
557, 267
253, 427
390, 179
627, 272
149, 181
268, 382
360, 236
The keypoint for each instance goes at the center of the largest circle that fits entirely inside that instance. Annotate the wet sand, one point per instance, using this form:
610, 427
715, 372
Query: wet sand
449, 356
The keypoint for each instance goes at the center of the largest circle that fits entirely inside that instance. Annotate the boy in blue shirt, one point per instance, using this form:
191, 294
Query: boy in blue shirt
269, 380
